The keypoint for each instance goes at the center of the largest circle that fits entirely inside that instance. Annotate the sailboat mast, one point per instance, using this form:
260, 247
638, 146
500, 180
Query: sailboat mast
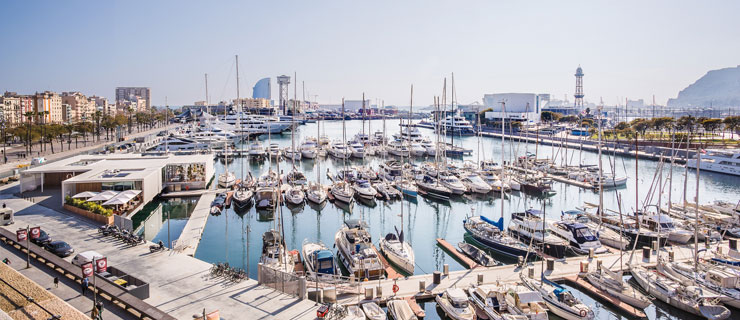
696, 211
503, 168
601, 173
207, 111
292, 120
452, 107
363, 113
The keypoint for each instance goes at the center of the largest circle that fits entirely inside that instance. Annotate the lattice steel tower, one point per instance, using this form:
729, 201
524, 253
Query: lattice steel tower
579, 88
283, 82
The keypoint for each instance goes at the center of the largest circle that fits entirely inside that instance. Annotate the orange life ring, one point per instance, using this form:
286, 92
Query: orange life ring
395, 288
583, 313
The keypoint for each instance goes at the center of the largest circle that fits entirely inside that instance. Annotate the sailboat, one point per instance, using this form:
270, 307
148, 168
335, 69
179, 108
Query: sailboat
227, 178
342, 190
242, 197
294, 194
399, 252
315, 192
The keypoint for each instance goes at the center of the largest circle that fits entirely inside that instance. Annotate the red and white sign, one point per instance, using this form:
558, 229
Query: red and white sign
35, 232
21, 235
102, 264
87, 269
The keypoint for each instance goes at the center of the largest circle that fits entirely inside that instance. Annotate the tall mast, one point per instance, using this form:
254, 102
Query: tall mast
503, 168
601, 172
452, 106
696, 211
207, 111
292, 120
363, 113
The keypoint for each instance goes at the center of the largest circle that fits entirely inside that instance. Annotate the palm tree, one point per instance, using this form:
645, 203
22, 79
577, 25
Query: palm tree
29, 115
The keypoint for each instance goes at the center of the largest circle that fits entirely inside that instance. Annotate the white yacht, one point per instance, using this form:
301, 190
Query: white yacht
391, 171
398, 252
397, 148
181, 144
416, 149
408, 134
364, 189
475, 184
226, 179
340, 150
451, 181
356, 251
454, 302
274, 254
722, 161
456, 125
256, 149
309, 149
358, 151
580, 237
255, 124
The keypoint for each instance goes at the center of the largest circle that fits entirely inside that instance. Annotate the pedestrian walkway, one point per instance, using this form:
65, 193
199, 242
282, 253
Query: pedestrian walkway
14, 162
68, 290
179, 285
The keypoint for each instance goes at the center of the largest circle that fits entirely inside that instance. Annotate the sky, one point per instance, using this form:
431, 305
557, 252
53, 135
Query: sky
628, 49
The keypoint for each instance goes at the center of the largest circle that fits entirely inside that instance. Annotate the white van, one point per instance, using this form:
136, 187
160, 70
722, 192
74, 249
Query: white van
85, 257
6, 216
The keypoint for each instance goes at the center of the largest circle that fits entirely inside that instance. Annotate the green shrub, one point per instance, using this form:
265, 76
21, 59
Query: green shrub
89, 206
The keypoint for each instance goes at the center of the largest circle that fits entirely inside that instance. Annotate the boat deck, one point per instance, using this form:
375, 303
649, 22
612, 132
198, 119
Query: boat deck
390, 273
583, 285
466, 262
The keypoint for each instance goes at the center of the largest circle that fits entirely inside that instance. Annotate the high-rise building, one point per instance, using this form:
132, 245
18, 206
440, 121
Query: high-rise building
262, 89
131, 93
15, 106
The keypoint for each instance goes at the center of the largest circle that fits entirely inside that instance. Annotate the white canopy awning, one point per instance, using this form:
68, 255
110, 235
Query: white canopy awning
85, 195
122, 198
103, 196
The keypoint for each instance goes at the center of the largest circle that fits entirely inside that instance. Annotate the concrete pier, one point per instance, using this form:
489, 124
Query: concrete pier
189, 239
179, 285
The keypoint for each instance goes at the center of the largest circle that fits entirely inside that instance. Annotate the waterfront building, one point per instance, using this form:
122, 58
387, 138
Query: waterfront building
11, 109
262, 89
120, 172
134, 94
80, 107
519, 106
51, 103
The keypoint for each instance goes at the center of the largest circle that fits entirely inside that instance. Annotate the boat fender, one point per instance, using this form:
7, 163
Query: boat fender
583, 313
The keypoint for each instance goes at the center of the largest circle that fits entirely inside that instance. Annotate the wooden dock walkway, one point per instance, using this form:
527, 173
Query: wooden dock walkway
463, 259
189, 239
415, 307
583, 285
390, 273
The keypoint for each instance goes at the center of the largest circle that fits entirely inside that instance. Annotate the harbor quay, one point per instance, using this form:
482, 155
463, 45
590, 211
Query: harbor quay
179, 285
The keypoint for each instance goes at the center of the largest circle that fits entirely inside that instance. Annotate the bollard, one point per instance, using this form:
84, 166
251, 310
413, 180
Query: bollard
598, 264
671, 255
422, 285
437, 277
719, 251
550, 264
706, 242
259, 273
591, 253
733, 244
521, 260
446, 269
530, 272
369, 293
480, 278
379, 291
584, 266
330, 294
302, 293
655, 245
646, 253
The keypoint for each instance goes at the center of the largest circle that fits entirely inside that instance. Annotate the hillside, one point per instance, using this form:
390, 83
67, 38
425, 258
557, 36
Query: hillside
718, 88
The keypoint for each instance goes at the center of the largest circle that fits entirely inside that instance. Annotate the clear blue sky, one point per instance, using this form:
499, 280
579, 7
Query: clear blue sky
341, 48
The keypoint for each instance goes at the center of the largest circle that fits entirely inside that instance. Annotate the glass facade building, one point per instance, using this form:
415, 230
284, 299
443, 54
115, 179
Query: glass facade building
262, 89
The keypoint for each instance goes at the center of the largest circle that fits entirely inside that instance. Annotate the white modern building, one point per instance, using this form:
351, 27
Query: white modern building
120, 172
518, 106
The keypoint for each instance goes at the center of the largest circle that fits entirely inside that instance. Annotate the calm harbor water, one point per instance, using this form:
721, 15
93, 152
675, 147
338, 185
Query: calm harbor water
237, 238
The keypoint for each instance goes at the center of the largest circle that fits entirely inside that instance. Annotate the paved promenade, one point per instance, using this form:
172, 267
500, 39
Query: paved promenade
179, 284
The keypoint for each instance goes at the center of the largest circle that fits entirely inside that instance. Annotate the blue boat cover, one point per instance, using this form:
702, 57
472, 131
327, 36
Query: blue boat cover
498, 224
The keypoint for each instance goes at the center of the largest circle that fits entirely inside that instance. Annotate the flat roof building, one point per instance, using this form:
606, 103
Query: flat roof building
117, 172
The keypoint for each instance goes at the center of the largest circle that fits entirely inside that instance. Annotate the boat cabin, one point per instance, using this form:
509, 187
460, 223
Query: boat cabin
457, 297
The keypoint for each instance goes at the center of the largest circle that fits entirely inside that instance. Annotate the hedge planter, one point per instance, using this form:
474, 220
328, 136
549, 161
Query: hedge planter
87, 214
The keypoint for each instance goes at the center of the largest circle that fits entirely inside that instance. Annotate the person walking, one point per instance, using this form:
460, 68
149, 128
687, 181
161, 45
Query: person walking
6, 261
56, 282
84, 284
99, 307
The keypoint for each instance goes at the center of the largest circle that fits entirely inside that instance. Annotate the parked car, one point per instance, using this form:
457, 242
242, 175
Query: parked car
42, 239
37, 161
85, 257
59, 248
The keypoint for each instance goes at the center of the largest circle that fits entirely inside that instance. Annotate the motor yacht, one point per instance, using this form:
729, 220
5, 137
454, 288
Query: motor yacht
416, 149
475, 184
725, 161
364, 190
318, 258
181, 144
391, 170
340, 150
274, 254
265, 198
387, 190
490, 300
452, 182
397, 148
309, 149
356, 251
256, 149
454, 302
663, 224
582, 240
357, 149
528, 226
456, 125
